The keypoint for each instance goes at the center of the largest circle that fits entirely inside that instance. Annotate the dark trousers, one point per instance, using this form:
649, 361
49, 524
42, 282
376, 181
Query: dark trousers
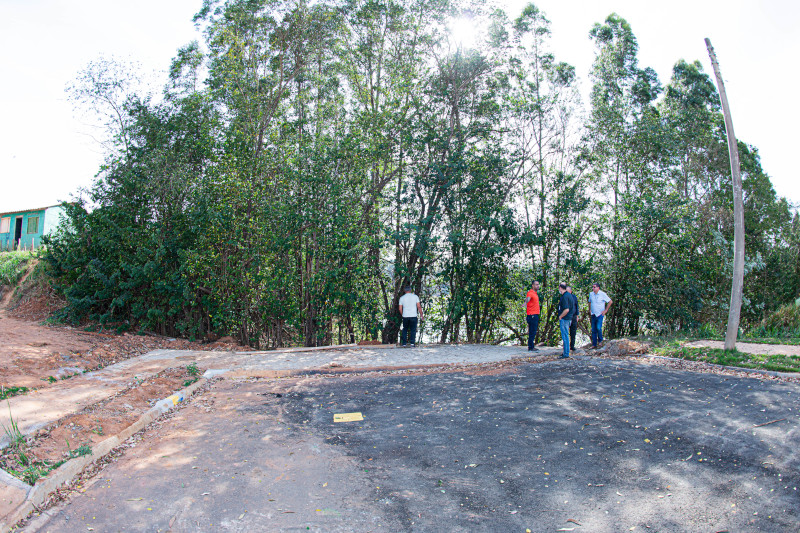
597, 329
573, 329
409, 331
533, 329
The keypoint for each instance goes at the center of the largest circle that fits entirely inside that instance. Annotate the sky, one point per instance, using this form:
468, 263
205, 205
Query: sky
48, 150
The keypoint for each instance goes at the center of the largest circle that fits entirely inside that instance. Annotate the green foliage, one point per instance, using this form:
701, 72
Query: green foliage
8, 392
12, 432
308, 161
13, 266
783, 322
80, 451
778, 363
192, 369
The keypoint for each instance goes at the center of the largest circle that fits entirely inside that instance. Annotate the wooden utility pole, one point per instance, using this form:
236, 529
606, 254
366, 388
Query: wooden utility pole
738, 212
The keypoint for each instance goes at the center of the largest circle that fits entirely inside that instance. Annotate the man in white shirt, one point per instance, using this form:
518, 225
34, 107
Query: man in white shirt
599, 303
411, 310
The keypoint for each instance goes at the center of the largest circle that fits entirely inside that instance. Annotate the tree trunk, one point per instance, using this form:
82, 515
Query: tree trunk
738, 212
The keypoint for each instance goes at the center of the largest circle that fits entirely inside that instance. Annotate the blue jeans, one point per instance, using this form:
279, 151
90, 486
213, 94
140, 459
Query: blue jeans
409, 333
533, 329
564, 325
597, 329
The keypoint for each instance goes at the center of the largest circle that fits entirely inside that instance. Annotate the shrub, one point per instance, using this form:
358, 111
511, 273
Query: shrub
784, 322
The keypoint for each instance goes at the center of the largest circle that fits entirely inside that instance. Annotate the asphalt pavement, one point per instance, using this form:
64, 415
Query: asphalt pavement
576, 445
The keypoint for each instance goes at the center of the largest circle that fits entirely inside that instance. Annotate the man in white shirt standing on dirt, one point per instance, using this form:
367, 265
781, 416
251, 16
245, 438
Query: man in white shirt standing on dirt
411, 310
599, 303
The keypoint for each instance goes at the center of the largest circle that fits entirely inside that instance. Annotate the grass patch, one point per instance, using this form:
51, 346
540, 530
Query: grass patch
13, 266
778, 363
675, 340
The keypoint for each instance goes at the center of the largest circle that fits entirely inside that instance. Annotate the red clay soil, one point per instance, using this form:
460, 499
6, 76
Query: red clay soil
30, 353
97, 422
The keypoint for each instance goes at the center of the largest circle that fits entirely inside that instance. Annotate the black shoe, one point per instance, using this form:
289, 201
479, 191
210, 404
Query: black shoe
563, 357
533, 349
594, 347
413, 345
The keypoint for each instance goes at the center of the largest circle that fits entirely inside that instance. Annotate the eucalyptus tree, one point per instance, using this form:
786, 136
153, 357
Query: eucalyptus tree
387, 60
541, 108
624, 136
260, 57
465, 154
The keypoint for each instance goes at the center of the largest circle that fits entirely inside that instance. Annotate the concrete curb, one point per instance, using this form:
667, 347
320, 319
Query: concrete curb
723, 367
38, 494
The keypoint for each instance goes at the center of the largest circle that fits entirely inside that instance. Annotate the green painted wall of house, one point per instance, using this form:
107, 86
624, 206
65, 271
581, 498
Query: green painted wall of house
35, 223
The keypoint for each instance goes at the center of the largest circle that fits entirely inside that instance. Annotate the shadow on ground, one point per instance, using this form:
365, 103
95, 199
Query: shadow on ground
594, 445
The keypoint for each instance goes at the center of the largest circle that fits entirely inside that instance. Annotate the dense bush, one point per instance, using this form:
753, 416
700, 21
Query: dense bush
784, 322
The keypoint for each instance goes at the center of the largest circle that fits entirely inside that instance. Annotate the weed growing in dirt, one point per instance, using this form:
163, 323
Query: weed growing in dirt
80, 451
16, 456
8, 392
14, 435
32, 474
189, 382
192, 369
50, 379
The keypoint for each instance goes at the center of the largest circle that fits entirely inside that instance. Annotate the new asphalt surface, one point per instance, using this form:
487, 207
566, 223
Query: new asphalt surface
577, 445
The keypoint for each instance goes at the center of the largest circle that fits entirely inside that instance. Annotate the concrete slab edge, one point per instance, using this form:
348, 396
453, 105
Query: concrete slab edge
333, 347
38, 494
723, 367
11, 481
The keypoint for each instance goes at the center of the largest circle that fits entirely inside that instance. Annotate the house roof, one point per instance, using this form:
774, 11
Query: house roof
27, 210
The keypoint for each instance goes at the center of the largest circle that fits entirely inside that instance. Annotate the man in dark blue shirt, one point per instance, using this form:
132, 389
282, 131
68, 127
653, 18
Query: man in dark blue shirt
573, 326
566, 310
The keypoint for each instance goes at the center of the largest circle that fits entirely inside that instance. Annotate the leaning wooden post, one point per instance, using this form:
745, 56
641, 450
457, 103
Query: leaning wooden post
738, 212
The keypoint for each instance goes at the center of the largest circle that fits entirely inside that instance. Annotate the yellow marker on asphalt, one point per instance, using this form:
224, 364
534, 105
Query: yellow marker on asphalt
347, 417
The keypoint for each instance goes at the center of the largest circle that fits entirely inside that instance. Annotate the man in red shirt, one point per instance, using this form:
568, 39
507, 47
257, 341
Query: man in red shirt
532, 315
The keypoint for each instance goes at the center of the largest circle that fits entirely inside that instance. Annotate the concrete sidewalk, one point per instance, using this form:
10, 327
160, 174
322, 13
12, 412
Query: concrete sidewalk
39, 408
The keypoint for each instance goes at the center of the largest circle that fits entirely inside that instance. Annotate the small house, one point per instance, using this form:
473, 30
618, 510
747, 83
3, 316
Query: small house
23, 230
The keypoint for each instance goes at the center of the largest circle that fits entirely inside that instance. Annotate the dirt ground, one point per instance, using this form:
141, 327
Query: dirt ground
34, 355
59, 441
37, 356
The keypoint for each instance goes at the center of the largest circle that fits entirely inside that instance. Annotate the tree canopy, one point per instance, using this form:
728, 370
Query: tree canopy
310, 159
